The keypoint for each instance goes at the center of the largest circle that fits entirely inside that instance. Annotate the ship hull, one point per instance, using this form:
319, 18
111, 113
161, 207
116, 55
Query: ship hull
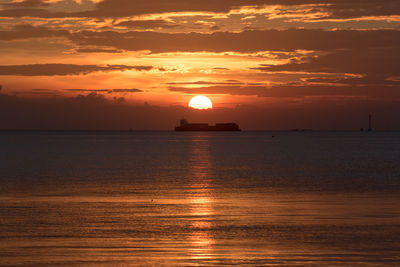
187, 129
204, 127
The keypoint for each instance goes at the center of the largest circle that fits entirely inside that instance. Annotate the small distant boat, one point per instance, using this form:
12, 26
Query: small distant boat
185, 126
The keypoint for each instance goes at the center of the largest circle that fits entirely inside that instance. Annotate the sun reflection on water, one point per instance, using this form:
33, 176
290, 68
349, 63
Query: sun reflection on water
201, 200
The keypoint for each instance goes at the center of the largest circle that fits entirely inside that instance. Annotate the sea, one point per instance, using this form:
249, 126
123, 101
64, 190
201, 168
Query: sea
199, 198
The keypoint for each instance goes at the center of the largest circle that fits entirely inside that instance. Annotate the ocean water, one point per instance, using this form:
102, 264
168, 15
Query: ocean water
200, 199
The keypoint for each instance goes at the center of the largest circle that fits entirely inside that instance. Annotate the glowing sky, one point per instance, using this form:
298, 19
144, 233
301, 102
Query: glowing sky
258, 53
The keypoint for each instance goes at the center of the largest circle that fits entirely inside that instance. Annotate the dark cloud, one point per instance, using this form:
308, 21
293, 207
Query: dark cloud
30, 12
26, 4
106, 90
371, 80
98, 50
373, 66
224, 83
126, 90
38, 93
359, 8
337, 8
374, 61
246, 41
147, 24
63, 69
25, 31
91, 92
122, 8
220, 68
231, 82
300, 91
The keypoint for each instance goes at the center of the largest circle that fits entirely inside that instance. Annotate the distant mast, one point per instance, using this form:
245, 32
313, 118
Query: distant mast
370, 123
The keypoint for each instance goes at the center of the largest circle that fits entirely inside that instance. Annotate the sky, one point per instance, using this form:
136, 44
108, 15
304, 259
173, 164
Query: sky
135, 64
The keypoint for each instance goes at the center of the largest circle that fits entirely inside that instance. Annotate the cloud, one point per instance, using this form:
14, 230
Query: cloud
147, 24
374, 66
230, 82
120, 8
25, 31
370, 80
219, 68
63, 69
109, 91
98, 50
127, 8
31, 12
299, 91
358, 8
246, 41
372, 61
27, 4
58, 92
337, 8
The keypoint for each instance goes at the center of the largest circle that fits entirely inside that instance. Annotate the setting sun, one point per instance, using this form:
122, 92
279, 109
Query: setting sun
200, 102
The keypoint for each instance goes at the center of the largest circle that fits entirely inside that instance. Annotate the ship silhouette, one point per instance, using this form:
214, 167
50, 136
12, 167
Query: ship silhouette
186, 126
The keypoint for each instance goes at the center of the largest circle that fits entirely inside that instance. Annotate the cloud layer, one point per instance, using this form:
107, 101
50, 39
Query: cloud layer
124, 8
63, 69
246, 41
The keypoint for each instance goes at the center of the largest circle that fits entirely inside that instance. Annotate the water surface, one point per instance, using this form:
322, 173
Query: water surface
200, 199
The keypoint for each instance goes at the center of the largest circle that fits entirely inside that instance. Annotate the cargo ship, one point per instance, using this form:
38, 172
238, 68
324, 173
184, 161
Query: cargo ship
185, 126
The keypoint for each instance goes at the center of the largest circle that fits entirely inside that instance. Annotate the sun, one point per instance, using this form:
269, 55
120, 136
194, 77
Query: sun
200, 102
